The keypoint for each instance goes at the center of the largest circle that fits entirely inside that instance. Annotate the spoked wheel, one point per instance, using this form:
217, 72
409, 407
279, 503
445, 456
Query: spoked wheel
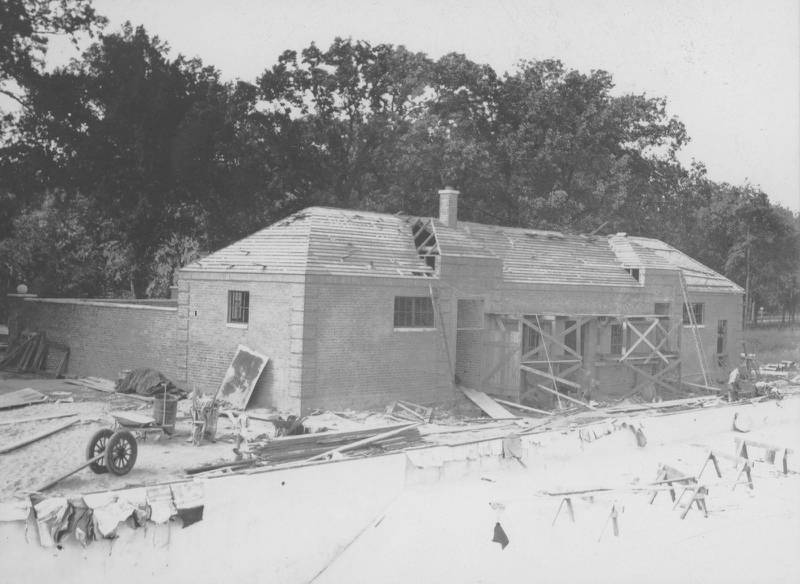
121, 452
96, 447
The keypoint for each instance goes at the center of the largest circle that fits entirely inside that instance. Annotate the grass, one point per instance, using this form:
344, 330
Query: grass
772, 345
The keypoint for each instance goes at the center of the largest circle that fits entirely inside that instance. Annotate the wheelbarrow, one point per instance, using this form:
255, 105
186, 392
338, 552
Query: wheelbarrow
111, 451
114, 449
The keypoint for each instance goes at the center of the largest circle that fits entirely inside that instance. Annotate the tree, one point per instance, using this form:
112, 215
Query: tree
26, 28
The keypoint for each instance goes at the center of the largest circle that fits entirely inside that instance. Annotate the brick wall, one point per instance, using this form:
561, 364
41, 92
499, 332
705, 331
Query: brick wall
105, 337
275, 310
353, 355
716, 307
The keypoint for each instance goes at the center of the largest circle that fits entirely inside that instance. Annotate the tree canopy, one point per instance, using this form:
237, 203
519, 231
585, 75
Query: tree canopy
129, 162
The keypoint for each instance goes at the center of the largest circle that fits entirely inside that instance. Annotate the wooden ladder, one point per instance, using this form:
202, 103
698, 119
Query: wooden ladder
693, 323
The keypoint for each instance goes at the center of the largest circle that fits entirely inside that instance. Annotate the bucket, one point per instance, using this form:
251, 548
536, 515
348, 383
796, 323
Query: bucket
165, 410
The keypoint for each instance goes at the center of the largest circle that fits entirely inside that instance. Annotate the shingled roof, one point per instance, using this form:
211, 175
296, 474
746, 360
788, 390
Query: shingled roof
329, 241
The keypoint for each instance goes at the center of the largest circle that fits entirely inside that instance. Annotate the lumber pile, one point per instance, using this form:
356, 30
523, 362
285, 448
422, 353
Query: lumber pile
96, 383
307, 446
27, 356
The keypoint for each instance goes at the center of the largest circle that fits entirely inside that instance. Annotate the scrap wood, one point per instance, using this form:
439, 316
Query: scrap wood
701, 386
408, 410
521, 407
485, 403
37, 419
366, 441
36, 437
21, 397
701, 400
27, 356
566, 397
44, 486
98, 383
424, 413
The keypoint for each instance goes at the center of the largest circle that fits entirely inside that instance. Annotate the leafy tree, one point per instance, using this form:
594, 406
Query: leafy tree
25, 31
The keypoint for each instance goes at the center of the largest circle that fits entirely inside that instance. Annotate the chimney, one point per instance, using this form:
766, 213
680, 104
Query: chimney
448, 206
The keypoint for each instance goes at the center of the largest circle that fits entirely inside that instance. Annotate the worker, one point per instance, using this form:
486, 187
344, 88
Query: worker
738, 374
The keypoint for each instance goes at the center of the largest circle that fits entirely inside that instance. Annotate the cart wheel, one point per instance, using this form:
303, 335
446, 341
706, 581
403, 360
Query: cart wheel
121, 452
97, 445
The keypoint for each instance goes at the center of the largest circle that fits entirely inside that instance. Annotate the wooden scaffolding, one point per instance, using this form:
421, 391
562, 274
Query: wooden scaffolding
561, 354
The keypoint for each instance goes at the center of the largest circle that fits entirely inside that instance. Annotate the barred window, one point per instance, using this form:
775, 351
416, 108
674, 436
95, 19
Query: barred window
616, 339
238, 306
697, 310
413, 312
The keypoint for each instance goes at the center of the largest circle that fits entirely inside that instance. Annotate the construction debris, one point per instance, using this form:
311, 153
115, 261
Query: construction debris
36, 419
410, 411
147, 382
96, 383
487, 404
323, 444
27, 356
21, 397
36, 437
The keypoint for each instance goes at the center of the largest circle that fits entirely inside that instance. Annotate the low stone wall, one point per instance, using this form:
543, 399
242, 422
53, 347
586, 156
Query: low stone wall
106, 336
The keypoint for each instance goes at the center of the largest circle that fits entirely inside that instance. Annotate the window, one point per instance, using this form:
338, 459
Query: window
722, 337
238, 306
413, 312
697, 310
662, 309
616, 339
634, 272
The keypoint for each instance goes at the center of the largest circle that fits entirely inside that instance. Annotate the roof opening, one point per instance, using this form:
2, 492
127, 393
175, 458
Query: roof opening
425, 242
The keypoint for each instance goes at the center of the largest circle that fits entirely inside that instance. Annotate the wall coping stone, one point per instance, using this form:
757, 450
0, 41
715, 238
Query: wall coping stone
100, 303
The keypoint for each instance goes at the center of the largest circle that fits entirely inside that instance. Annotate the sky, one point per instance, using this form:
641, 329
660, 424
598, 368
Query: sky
730, 69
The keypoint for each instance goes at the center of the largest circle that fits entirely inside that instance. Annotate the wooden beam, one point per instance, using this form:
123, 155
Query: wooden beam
642, 337
37, 419
551, 377
521, 407
55, 481
566, 397
366, 441
654, 378
36, 437
550, 337
706, 387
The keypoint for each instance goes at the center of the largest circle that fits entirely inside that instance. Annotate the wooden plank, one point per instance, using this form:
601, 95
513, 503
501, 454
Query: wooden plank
55, 481
487, 404
521, 407
21, 397
365, 442
37, 419
36, 437
701, 386
566, 397
551, 377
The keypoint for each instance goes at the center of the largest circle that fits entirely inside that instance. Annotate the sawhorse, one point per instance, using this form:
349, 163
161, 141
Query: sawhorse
568, 501
770, 452
747, 466
668, 475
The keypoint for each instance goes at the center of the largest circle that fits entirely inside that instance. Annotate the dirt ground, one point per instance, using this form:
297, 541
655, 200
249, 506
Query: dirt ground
24, 469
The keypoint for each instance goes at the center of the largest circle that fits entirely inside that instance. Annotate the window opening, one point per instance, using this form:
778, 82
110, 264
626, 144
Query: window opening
722, 337
697, 311
238, 306
616, 339
413, 312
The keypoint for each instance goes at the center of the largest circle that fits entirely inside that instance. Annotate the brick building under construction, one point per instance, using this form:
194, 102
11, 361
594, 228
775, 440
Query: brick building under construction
357, 309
